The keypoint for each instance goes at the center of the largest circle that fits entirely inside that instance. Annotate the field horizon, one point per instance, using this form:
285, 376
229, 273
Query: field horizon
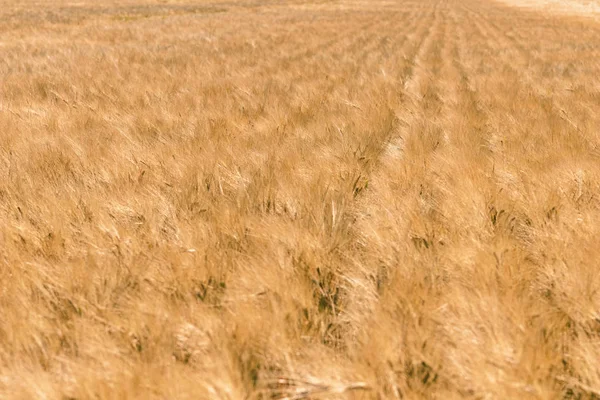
581, 8
296, 199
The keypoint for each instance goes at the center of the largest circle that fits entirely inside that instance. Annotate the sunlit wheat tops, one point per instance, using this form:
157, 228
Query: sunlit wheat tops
342, 199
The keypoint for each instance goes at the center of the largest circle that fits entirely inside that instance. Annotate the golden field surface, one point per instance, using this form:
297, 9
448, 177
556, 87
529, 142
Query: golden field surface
297, 199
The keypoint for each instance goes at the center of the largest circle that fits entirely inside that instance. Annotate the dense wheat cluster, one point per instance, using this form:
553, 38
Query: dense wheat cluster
298, 199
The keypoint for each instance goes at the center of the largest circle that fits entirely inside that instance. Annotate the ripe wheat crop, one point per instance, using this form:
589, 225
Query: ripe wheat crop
296, 199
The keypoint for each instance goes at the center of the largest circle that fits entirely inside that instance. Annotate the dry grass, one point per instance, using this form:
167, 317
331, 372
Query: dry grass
342, 199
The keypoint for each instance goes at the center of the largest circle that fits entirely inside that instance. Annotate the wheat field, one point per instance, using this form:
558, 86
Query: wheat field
298, 199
